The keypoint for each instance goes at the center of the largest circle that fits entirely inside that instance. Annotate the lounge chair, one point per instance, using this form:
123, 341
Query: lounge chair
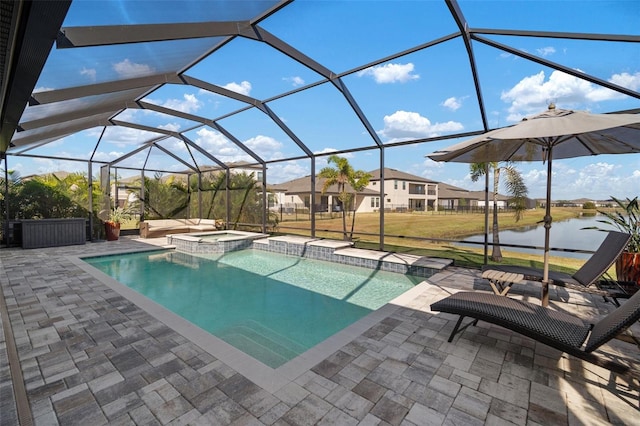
582, 280
559, 330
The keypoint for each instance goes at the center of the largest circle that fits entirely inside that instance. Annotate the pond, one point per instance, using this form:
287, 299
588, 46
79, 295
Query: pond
567, 234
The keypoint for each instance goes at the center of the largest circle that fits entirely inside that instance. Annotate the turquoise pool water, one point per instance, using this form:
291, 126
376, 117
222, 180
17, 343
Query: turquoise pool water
271, 306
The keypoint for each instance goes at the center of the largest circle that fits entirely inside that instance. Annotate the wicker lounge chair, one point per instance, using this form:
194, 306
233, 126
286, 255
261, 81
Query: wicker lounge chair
559, 330
610, 249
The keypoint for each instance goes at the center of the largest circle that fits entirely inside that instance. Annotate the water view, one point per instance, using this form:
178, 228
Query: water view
567, 234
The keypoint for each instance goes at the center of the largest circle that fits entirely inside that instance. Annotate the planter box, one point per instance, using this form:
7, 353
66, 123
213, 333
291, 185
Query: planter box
53, 232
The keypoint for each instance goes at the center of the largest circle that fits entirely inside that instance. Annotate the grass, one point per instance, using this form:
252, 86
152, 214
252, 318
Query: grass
403, 233
445, 225
132, 223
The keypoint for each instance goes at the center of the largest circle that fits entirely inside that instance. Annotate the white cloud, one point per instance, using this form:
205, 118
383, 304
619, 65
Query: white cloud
630, 81
286, 171
174, 127
130, 69
572, 179
432, 169
174, 145
89, 72
546, 51
597, 179
189, 103
325, 150
49, 165
402, 125
107, 156
243, 88
323, 160
329, 150
533, 94
452, 103
225, 150
390, 73
122, 136
42, 89
215, 143
295, 81
265, 146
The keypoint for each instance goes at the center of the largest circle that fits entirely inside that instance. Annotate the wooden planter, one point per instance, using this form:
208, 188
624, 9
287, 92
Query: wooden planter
112, 230
628, 267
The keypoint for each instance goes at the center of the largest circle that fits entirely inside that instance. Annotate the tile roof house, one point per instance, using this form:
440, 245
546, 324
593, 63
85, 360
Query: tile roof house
296, 194
454, 198
402, 192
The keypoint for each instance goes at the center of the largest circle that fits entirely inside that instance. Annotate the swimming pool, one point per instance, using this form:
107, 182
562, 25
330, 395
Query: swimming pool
270, 306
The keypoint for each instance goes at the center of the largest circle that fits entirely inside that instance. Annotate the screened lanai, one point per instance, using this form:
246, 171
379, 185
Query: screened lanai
131, 89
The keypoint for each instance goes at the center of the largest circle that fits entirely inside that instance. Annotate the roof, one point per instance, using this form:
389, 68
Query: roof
447, 191
393, 174
303, 186
137, 86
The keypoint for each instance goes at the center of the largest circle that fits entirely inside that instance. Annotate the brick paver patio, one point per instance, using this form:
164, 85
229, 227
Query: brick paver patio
90, 356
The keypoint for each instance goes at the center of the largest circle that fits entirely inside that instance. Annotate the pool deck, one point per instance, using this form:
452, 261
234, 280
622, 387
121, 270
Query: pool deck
87, 354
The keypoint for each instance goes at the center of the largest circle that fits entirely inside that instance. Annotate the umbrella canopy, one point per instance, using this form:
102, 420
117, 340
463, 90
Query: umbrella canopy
555, 133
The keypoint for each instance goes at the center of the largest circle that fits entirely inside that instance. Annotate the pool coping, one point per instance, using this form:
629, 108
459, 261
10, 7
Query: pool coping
270, 379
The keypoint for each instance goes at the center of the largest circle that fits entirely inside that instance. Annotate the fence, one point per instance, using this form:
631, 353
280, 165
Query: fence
302, 212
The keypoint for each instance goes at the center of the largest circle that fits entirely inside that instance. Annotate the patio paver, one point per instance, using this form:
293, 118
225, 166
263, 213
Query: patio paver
88, 355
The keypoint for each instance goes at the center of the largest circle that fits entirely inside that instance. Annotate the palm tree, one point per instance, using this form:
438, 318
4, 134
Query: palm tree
216, 183
344, 176
165, 198
515, 187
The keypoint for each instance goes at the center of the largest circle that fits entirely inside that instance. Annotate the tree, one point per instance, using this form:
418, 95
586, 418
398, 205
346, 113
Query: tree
165, 198
214, 183
345, 177
515, 187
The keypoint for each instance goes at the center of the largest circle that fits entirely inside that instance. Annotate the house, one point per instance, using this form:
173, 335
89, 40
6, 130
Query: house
454, 198
296, 194
402, 192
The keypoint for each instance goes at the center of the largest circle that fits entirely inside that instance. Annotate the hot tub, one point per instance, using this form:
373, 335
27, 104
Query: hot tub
214, 242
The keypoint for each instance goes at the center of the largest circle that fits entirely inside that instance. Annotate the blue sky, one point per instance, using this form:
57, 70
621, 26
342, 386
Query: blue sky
427, 93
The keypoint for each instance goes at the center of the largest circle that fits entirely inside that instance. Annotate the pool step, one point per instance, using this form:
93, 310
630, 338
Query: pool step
343, 252
263, 343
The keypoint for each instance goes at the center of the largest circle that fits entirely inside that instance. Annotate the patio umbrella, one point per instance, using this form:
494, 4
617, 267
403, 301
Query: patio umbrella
553, 134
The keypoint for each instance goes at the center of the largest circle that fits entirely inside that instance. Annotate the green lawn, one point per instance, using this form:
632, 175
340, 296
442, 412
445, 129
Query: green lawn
402, 228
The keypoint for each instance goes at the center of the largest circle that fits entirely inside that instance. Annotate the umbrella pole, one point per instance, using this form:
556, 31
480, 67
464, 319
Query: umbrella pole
544, 297
486, 214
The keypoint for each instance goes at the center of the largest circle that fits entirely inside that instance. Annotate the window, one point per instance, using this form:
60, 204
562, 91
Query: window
404, 185
375, 202
395, 184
